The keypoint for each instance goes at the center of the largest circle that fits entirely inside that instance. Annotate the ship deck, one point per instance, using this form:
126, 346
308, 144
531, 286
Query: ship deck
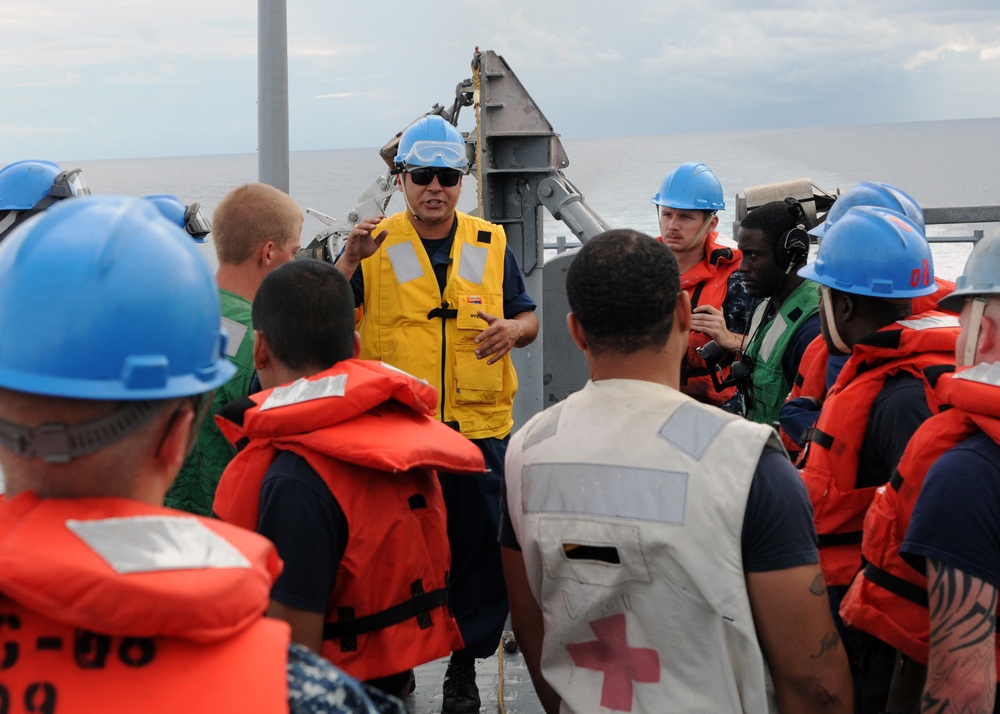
504, 686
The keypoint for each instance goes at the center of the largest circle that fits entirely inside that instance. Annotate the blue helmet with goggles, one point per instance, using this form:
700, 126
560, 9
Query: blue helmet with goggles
104, 299
189, 218
431, 142
30, 186
25, 184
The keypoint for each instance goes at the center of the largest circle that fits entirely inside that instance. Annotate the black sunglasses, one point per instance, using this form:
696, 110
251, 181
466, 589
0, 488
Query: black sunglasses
446, 177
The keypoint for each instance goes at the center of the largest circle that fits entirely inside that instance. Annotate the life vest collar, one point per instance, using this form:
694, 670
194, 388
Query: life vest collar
355, 386
132, 569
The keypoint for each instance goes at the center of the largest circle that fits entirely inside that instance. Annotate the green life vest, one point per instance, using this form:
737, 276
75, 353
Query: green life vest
767, 349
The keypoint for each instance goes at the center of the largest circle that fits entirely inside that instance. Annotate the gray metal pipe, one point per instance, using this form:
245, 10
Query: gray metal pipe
272, 93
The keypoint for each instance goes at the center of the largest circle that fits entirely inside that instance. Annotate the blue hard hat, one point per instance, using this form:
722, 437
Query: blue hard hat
691, 186
24, 184
874, 251
980, 277
431, 141
189, 218
869, 193
103, 298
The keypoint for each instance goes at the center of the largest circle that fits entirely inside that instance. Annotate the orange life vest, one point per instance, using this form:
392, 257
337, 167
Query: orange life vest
367, 430
930, 302
889, 598
707, 283
810, 381
108, 604
831, 463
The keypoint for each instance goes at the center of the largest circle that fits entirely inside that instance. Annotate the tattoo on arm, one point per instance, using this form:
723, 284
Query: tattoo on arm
961, 674
829, 642
818, 587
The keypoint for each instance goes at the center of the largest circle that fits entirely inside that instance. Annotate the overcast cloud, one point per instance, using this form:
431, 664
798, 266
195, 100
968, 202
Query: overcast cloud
133, 78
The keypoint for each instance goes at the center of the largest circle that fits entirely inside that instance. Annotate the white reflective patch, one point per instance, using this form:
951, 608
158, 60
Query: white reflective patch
926, 323
544, 426
692, 428
236, 331
404, 261
149, 544
626, 492
472, 264
758, 317
774, 333
984, 373
302, 390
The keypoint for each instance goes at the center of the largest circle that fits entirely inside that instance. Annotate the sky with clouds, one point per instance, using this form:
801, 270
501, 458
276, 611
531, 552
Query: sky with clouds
134, 78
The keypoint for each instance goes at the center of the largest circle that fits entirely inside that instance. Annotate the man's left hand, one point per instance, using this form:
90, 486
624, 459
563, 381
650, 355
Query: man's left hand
712, 322
499, 338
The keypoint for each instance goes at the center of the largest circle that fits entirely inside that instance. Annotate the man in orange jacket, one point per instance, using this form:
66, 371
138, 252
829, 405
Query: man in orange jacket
930, 586
870, 266
688, 202
110, 348
337, 468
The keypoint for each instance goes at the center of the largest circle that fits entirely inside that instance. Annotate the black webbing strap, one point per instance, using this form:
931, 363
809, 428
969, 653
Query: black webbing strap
828, 540
696, 295
419, 606
821, 438
443, 312
895, 585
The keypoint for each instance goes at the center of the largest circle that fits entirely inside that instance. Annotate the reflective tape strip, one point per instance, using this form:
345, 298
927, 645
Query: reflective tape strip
472, 264
236, 331
774, 333
758, 317
545, 427
150, 544
926, 323
404, 261
302, 390
984, 373
692, 428
605, 490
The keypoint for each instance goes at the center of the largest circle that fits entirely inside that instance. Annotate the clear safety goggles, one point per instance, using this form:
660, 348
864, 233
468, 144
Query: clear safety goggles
69, 183
195, 222
436, 153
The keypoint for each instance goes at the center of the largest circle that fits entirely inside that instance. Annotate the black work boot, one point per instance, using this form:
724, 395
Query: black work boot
461, 693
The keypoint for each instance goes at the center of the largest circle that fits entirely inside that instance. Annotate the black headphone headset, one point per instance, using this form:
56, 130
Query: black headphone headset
793, 248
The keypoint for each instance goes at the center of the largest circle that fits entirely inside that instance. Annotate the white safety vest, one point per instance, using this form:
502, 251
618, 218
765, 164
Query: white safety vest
628, 501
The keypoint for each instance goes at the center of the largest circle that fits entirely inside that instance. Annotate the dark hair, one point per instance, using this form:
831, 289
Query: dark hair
778, 222
773, 219
305, 309
622, 287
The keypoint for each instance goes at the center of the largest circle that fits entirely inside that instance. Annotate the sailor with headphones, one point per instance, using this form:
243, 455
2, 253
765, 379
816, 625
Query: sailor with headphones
774, 244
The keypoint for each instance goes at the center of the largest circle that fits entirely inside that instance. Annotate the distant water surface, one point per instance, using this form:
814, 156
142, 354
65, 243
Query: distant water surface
946, 163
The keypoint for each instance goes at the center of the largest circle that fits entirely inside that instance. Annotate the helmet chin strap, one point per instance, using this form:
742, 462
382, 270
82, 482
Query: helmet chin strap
831, 324
406, 199
972, 338
703, 230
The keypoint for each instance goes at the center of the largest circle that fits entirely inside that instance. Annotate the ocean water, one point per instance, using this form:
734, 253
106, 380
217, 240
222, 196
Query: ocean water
946, 163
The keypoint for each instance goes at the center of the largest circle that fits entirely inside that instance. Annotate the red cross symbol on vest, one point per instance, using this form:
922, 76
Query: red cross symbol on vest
621, 664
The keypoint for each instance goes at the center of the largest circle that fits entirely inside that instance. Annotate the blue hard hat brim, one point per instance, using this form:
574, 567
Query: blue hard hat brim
113, 390
808, 271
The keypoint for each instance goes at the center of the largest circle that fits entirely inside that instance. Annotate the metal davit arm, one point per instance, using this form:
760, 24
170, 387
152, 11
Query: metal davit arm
519, 161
